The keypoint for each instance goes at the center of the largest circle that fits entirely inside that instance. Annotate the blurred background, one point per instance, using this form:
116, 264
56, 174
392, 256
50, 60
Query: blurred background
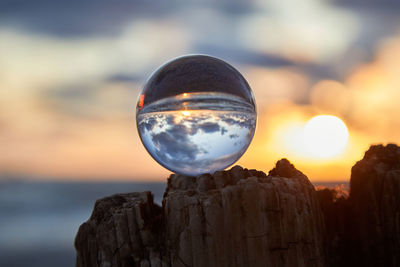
71, 72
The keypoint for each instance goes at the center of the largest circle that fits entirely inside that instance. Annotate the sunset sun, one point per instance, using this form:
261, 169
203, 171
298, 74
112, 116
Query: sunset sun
325, 136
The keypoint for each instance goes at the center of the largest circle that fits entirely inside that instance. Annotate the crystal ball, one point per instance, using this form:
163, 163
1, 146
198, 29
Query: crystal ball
196, 114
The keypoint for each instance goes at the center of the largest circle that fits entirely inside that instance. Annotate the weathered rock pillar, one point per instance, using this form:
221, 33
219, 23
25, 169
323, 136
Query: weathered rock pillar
364, 229
238, 217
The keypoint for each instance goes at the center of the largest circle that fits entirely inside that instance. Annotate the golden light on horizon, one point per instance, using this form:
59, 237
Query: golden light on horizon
185, 113
325, 136
179, 117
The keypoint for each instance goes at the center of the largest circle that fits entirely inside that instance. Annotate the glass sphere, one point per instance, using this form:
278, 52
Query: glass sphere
196, 114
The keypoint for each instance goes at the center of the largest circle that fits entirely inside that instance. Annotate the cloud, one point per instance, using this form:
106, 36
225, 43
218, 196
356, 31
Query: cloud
247, 121
243, 55
382, 4
148, 124
274, 85
77, 18
319, 31
375, 94
209, 127
174, 144
90, 101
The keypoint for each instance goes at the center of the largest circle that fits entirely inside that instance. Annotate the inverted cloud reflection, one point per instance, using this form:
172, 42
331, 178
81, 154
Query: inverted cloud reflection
196, 142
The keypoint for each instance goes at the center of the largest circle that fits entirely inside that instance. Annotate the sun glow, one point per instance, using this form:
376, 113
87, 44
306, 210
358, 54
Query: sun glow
325, 136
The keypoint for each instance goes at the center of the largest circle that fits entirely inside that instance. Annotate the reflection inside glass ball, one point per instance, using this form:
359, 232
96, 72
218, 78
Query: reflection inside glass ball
192, 129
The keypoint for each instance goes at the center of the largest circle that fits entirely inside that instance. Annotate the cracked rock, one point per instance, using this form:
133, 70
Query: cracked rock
238, 217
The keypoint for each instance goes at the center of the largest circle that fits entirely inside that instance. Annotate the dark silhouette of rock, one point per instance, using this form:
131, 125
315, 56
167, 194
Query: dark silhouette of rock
238, 217
243, 217
364, 230
375, 202
336, 212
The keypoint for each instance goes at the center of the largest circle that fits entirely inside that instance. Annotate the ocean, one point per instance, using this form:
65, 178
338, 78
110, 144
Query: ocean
39, 220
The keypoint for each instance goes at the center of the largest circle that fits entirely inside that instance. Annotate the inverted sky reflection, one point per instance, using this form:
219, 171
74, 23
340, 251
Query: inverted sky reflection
196, 141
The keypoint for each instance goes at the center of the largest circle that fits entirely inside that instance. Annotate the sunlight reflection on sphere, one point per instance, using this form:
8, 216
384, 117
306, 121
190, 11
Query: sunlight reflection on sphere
196, 114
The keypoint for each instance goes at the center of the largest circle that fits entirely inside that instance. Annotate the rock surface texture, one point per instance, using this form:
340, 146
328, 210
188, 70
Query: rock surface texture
238, 217
243, 217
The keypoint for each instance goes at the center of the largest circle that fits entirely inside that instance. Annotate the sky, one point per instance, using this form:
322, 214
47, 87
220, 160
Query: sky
71, 73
